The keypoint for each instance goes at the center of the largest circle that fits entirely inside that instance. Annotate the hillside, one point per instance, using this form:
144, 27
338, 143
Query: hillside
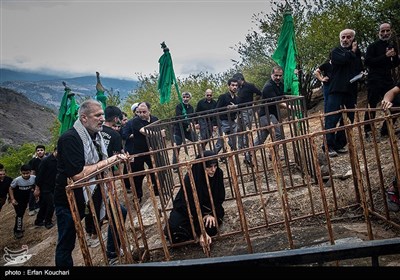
23, 120
48, 90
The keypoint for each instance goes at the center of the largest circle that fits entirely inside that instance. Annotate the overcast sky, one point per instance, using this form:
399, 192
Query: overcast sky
122, 38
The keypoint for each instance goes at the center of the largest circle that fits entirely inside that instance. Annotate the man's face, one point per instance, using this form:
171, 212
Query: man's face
346, 39
186, 98
208, 95
124, 121
233, 87
385, 32
93, 121
277, 76
143, 112
40, 152
2, 174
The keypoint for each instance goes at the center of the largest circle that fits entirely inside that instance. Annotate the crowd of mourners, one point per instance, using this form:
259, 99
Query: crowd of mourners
102, 135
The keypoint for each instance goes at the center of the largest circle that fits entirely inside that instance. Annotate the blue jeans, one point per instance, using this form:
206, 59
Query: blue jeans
66, 236
337, 140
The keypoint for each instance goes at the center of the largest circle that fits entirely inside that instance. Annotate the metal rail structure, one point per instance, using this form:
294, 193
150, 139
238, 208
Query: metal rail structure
291, 196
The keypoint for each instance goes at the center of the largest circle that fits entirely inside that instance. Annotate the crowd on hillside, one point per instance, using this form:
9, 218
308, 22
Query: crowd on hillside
94, 135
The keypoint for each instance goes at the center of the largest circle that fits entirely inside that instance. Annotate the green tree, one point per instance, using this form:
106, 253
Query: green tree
13, 158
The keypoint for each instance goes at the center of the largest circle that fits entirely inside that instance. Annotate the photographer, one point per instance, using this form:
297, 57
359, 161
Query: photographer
381, 57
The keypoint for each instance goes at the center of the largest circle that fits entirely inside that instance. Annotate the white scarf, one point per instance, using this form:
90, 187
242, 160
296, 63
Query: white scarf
91, 155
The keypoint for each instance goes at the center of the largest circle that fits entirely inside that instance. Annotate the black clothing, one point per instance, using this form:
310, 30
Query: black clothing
179, 115
379, 77
4, 186
204, 105
34, 163
179, 222
379, 65
271, 90
70, 161
112, 140
46, 181
46, 175
137, 144
326, 69
246, 93
345, 65
223, 101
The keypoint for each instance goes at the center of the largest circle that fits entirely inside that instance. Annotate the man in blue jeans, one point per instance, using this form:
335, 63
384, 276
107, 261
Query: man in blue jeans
81, 151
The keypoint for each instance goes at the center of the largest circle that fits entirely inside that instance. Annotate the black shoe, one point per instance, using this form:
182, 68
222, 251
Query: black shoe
175, 170
342, 150
39, 224
248, 162
18, 234
49, 225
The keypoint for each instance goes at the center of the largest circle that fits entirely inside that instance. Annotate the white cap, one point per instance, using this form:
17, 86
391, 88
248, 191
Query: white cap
134, 106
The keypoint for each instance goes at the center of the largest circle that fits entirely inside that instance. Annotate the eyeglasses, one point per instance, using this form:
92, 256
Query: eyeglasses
208, 95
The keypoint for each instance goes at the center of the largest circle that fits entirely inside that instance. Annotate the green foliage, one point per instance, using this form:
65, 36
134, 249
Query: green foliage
113, 98
13, 158
195, 84
317, 26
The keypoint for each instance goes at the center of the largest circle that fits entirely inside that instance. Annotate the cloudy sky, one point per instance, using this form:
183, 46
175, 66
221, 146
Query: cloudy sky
122, 38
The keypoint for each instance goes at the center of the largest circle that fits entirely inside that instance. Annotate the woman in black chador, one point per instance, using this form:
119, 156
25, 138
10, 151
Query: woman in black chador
179, 222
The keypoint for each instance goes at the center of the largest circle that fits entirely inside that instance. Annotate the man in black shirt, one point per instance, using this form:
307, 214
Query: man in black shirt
346, 63
381, 57
184, 129
77, 157
5, 182
46, 181
135, 129
206, 124
245, 97
227, 102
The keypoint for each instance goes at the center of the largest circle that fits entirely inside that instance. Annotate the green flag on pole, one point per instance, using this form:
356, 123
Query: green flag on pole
100, 94
286, 53
68, 112
166, 76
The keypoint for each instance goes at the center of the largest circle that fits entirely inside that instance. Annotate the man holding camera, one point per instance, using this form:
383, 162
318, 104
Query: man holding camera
381, 57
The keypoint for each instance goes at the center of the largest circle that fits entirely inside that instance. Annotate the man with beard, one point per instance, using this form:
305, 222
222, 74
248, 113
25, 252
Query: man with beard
346, 63
381, 57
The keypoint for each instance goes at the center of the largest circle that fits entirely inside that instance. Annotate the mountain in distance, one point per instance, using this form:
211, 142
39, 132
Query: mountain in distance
47, 90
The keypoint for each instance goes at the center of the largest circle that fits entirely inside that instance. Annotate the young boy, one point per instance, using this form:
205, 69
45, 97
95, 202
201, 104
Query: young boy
19, 192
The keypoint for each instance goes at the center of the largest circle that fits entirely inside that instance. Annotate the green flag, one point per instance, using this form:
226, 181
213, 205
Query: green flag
166, 77
100, 96
286, 53
68, 112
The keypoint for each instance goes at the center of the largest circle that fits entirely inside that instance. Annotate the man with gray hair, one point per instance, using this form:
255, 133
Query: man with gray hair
81, 150
346, 63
